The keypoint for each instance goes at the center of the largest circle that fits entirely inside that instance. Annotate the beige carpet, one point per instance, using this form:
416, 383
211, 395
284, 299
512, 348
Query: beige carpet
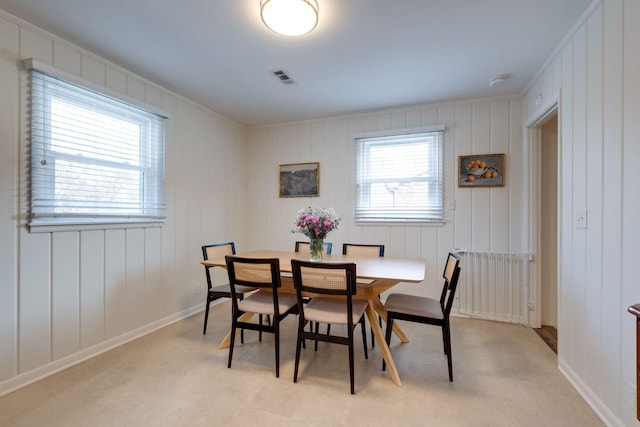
504, 375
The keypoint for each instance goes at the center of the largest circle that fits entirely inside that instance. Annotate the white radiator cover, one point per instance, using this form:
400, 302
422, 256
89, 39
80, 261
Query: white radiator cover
494, 286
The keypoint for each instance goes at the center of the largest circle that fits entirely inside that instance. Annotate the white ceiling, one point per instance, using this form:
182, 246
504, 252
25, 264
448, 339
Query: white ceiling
363, 55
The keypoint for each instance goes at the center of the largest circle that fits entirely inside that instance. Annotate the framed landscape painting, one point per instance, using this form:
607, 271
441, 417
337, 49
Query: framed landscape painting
299, 180
482, 170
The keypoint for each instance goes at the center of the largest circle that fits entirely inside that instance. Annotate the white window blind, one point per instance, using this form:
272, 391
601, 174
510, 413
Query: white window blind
94, 158
400, 177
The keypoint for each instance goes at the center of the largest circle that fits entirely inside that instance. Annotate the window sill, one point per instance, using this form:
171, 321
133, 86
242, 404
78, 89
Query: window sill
50, 227
398, 222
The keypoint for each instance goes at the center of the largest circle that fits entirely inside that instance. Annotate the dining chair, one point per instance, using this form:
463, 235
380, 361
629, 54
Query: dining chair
427, 310
327, 282
263, 274
304, 247
219, 250
356, 249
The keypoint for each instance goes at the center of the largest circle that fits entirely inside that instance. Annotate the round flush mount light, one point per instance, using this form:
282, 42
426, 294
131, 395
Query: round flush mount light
497, 81
289, 17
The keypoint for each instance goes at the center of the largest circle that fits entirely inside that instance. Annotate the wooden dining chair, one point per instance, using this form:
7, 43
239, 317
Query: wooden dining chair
219, 250
356, 249
427, 310
304, 247
326, 281
263, 274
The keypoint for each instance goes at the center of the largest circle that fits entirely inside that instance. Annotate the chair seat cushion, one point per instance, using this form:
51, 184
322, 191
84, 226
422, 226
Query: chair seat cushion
226, 289
414, 305
329, 310
262, 303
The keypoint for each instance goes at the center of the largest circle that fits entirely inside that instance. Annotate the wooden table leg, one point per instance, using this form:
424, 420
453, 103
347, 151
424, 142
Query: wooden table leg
379, 308
227, 339
384, 348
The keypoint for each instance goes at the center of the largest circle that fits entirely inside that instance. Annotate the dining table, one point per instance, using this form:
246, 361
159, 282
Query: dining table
374, 276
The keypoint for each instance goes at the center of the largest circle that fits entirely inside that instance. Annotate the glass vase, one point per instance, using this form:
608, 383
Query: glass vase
315, 249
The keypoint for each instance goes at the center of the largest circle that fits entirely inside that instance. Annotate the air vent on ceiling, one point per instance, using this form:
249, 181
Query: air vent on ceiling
284, 78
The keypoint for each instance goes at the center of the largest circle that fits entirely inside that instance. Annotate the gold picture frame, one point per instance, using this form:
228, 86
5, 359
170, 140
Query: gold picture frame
299, 180
481, 170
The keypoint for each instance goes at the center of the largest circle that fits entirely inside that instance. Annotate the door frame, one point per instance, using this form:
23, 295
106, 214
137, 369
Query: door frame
533, 147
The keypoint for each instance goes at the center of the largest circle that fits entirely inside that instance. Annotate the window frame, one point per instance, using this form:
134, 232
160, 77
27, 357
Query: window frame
54, 221
361, 217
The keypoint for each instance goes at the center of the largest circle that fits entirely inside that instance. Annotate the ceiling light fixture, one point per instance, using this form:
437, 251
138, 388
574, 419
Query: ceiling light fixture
289, 17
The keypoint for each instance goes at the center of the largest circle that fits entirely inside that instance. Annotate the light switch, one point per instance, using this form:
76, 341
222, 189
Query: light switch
581, 218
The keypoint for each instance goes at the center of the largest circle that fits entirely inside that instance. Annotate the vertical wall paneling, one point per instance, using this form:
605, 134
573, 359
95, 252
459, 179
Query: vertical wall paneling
70, 294
92, 289
65, 294
594, 177
463, 196
154, 289
34, 301
171, 303
599, 130
567, 291
498, 208
516, 182
471, 127
579, 188
611, 204
8, 201
137, 307
115, 283
630, 204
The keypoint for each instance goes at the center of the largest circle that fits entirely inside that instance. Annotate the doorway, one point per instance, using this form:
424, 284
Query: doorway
548, 237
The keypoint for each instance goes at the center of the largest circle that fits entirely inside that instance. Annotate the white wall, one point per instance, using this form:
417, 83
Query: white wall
65, 296
600, 150
484, 219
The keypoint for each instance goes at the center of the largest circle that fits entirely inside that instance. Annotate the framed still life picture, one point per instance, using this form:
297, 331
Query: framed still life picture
299, 180
482, 170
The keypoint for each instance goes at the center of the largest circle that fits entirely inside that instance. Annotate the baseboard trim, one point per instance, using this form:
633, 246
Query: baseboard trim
587, 394
51, 368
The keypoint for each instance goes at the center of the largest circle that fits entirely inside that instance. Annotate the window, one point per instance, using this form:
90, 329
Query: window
94, 158
400, 177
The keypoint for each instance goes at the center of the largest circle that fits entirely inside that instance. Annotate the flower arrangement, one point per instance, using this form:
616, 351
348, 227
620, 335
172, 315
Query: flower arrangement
316, 223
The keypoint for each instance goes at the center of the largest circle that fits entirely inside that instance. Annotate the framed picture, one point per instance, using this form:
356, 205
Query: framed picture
482, 170
299, 180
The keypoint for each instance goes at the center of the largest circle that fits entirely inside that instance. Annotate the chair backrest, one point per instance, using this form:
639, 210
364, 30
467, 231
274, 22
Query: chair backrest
325, 279
253, 272
216, 250
362, 250
450, 275
305, 247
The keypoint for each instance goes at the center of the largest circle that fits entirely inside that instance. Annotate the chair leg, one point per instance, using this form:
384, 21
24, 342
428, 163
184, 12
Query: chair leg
388, 336
444, 339
373, 341
351, 369
232, 339
364, 337
206, 316
260, 332
277, 338
446, 328
298, 345
317, 330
